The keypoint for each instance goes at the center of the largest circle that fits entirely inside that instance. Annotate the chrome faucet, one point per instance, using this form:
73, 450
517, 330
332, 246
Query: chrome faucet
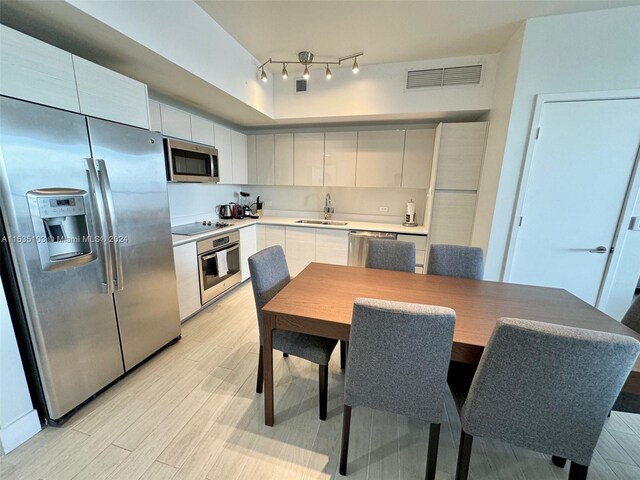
328, 209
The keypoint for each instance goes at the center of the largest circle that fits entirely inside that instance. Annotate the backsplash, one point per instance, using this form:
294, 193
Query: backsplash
189, 202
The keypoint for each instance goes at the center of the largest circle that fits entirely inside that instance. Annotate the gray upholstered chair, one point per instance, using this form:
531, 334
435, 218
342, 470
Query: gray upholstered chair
547, 388
398, 359
391, 255
627, 401
269, 275
455, 261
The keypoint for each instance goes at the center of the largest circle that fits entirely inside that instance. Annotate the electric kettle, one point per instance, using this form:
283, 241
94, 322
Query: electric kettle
224, 211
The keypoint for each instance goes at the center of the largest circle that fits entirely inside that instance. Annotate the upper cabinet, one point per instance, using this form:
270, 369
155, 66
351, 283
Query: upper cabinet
155, 118
283, 162
225, 160
35, 71
340, 159
308, 155
460, 155
265, 159
175, 123
106, 94
418, 156
252, 162
380, 154
239, 155
202, 131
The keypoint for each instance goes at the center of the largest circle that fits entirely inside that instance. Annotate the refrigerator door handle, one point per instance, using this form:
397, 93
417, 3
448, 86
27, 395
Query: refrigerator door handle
103, 229
114, 239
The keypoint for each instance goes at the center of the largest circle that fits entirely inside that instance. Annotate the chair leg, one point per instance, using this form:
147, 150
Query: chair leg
558, 461
464, 456
432, 452
578, 472
323, 374
260, 371
344, 349
285, 354
344, 451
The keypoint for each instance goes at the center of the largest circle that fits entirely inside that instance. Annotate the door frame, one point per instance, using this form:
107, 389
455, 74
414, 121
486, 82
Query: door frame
633, 189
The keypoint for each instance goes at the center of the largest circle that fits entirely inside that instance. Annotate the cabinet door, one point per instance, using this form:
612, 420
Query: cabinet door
418, 156
155, 120
452, 217
248, 246
261, 237
106, 94
225, 159
239, 154
283, 159
420, 241
332, 246
380, 158
301, 248
308, 151
252, 166
340, 159
188, 281
265, 159
460, 155
202, 131
274, 235
35, 71
175, 123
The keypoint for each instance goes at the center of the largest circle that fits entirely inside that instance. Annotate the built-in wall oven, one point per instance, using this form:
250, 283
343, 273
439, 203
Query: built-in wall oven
190, 162
219, 264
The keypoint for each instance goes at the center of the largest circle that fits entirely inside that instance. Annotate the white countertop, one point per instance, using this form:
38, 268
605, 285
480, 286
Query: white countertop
291, 222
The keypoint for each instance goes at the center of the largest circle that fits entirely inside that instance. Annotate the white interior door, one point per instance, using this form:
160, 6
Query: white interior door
580, 171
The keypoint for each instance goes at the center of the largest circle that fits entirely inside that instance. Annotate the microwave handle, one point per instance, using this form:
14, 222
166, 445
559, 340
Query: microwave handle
211, 255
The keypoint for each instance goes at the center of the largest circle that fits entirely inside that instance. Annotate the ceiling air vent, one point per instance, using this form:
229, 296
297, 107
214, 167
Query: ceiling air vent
301, 86
444, 77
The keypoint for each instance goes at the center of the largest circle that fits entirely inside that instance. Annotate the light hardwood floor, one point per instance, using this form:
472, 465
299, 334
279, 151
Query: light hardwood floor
192, 412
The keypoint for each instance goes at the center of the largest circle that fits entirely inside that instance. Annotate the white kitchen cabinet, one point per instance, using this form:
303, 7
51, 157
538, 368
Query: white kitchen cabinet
155, 119
308, 155
301, 248
265, 159
35, 71
460, 155
270, 235
283, 159
452, 217
420, 241
332, 246
252, 166
202, 131
418, 156
379, 161
106, 94
175, 123
248, 246
239, 156
186, 262
340, 159
225, 158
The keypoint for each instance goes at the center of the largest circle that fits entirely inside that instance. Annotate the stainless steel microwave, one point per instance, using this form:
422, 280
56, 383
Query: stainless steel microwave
190, 162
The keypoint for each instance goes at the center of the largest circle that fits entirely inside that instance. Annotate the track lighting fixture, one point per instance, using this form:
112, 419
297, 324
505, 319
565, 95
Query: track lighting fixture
306, 58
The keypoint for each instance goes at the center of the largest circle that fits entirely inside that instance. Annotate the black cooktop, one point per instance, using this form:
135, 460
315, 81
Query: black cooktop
197, 228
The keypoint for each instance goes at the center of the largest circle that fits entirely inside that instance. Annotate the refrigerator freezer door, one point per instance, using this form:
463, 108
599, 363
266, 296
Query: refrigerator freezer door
70, 317
132, 171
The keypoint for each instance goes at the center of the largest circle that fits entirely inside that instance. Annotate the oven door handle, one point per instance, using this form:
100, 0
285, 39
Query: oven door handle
215, 252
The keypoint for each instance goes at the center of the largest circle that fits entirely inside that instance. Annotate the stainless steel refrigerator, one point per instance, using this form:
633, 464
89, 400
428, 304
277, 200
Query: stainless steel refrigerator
86, 215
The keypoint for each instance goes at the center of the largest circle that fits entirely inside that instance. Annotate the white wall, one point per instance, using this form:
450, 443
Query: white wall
379, 90
498, 119
18, 420
186, 35
590, 51
189, 202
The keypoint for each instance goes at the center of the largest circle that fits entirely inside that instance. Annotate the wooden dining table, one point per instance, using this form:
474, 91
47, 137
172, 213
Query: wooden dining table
319, 301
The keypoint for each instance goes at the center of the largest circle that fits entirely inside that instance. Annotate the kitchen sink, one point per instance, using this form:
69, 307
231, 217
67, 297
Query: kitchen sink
321, 222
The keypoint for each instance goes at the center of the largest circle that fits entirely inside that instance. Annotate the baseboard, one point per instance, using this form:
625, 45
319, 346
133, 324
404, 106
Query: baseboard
19, 431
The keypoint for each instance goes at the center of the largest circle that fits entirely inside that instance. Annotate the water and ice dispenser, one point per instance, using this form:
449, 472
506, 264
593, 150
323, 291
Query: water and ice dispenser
62, 227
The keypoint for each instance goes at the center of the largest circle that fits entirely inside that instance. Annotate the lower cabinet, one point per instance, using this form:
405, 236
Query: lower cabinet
420, 242
248, 246
332, 246
186, 262
270, 235
301, 248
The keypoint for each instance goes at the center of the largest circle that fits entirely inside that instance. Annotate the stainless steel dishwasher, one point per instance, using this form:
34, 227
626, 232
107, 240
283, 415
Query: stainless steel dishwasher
359, 245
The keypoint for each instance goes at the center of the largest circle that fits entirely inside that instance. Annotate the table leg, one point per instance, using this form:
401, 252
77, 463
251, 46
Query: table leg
268, 322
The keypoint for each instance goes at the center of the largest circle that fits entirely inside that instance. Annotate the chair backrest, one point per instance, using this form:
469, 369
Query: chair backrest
391, 255
632, 318
398, 357
269, 275
546, 387
455, 261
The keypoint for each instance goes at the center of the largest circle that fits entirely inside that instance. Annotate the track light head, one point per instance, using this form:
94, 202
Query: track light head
328, 73
263, 76
306, 73
285, 74
355, 68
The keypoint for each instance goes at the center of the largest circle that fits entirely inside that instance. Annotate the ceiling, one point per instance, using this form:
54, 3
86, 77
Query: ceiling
387, 31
